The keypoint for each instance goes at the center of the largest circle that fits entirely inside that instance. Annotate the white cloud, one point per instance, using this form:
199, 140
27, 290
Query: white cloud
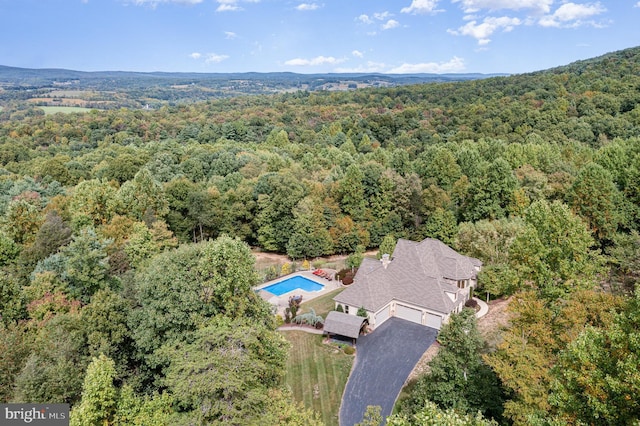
381, 16
154, 3
318, 60
370, 66
482, 31
390, 24
637, 4
454, 65
230, 5
257, 48
572, 11
357, 54
213, 58
307, 6
230, 35
364, 19
421, 7
228, 8
209, 58
472, 6
572, 15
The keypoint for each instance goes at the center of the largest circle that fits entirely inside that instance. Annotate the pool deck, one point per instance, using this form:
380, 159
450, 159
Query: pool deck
283, 301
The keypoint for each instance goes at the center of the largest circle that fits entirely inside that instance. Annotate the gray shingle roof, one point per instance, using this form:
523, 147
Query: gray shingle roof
343, 324
417, 274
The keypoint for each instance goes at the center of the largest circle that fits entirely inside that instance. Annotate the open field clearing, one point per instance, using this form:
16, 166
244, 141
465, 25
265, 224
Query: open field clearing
63, 109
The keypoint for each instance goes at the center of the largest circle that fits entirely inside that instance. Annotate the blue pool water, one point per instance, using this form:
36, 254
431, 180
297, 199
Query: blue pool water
294, 283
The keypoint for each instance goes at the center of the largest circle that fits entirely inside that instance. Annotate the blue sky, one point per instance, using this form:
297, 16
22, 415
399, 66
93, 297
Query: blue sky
313, 36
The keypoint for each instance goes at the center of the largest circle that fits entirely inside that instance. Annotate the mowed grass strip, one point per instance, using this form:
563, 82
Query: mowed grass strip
317, 373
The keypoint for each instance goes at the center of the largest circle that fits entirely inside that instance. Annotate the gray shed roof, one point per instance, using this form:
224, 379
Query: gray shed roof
343, 324
417, 274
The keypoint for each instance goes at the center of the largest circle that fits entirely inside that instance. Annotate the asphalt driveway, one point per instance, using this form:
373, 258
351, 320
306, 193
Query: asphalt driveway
384, 360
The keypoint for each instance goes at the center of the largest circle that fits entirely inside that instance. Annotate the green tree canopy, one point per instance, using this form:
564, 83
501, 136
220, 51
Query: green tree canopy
387, 246
54, 370
595, 198
99, 394
430, 414
458, 377
555, 252
180, 289
596, 378
224, 375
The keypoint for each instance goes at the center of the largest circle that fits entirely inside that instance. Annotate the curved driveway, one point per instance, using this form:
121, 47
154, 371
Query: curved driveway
384, 360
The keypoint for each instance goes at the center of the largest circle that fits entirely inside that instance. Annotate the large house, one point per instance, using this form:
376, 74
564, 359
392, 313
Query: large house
423, 282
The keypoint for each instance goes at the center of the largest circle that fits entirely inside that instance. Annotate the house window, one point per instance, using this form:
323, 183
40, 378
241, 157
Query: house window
462, 283
346, 309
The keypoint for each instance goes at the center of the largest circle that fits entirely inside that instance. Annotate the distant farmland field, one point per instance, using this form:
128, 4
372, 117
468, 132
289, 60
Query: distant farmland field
64, 109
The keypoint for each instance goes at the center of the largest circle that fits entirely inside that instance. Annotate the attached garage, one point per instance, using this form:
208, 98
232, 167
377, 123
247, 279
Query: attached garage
383, 315
408, 313
434, 321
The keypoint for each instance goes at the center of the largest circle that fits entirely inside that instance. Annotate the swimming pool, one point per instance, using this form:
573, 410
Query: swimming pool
294, 283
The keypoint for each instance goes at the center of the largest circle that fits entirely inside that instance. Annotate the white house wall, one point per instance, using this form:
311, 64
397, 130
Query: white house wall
352, 310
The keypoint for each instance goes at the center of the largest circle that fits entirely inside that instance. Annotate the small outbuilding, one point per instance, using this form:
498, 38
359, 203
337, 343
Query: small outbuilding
344, 324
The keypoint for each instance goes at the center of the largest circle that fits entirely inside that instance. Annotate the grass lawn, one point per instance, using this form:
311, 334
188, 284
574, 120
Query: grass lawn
317, 374
322, 304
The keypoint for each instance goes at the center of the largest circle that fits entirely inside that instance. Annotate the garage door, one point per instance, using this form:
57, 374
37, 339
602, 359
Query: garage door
382, 316
409, 314
434, 321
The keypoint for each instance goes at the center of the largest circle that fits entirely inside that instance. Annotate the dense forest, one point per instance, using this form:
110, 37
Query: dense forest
127, 275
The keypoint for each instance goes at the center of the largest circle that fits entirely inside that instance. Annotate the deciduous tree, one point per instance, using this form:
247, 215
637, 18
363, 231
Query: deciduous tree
458, 377
595, 198
597, 379
224, 375
99, 394
54, 370
555, 252
387, 246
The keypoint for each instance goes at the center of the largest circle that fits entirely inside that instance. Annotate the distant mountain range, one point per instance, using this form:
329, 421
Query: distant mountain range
28, 76
116, 89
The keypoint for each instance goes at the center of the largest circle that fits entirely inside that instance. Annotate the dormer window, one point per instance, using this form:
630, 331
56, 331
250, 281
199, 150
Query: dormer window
462, 283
